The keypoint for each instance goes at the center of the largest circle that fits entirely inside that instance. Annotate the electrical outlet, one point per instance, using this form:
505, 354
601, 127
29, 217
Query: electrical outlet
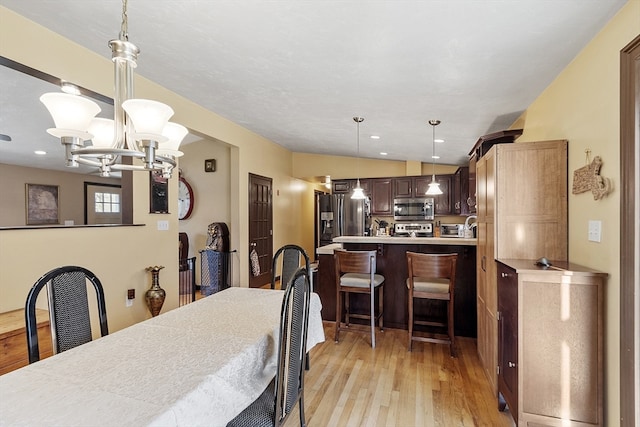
128, 302
163, 225
595, 231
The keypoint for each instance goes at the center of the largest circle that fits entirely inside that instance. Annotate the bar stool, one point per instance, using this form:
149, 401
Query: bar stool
432, 276
356, 273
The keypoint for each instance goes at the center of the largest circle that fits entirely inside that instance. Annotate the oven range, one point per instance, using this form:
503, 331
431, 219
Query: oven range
413, 229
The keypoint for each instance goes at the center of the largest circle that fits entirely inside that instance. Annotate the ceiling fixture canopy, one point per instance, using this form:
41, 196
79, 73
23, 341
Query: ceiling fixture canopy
139, 130
358, 192
434, 187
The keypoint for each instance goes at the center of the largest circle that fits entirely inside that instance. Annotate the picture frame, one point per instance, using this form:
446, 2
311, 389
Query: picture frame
42, 204
158, 193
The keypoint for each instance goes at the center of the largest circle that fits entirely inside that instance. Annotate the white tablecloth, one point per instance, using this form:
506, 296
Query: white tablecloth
197, 365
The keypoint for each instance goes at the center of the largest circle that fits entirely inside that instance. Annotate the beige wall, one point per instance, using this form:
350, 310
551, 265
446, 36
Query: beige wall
314, 167
70, 192
583, 106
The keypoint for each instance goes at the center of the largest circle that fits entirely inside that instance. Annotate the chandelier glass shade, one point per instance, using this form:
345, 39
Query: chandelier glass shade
434, 187
140, 128
358, 192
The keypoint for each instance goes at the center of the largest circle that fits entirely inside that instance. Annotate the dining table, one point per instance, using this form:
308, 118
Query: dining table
197, 365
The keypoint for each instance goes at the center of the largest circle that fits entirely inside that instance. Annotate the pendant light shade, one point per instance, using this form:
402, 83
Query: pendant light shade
358, 192
434, 187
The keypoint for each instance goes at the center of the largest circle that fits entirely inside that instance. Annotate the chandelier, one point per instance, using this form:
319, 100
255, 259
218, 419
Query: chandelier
358, 192
434, 187
140, 136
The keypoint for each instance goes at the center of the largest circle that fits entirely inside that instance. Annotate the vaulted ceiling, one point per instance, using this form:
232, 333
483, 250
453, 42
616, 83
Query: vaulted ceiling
297, 71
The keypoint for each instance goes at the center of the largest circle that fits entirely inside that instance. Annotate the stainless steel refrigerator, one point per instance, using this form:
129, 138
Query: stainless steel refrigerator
339, 215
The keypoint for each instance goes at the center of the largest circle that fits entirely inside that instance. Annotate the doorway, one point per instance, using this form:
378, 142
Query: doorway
260, 230
630, 234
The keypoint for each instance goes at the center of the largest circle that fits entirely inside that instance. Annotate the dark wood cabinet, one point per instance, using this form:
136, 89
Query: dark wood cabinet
347, 185
461, 191
410, 186
443, 203
340, 187
402, 187
508, 338
381, 196
471, 198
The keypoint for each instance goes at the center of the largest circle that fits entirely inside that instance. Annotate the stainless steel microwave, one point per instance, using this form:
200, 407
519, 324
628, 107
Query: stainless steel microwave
413, 209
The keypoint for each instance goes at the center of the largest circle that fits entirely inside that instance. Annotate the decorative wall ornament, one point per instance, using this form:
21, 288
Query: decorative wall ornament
588, 178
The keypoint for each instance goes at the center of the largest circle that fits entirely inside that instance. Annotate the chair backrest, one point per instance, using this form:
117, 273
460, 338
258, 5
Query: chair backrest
292, 349
68, 309
433, 266
289, 258
362, 262
183, 251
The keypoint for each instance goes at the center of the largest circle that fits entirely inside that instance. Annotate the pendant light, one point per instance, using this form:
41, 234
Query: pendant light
434, 187
358, 192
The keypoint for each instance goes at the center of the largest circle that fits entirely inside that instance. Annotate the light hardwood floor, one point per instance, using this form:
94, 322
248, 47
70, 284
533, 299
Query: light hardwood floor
351, 384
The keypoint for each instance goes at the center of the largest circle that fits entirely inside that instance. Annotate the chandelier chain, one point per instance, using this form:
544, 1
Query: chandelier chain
124, 28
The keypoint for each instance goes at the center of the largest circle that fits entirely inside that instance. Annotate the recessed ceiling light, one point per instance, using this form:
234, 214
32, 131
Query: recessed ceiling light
438, 140
40, 152
374, 137
69, 88
382, 153
435, 157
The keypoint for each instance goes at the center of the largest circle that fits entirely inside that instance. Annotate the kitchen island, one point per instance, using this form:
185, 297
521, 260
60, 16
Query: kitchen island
392, 264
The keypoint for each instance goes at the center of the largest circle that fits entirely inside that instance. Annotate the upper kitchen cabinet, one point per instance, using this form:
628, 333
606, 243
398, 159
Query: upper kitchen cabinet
410, 186
461, 191
381, 196
347, 185
443, 203
471, 199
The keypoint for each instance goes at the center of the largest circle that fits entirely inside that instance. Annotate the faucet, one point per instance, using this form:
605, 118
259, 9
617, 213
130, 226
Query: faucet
467, 226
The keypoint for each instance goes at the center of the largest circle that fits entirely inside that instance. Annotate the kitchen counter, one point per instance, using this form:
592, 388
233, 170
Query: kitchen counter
328, 249
393, 240
392, 264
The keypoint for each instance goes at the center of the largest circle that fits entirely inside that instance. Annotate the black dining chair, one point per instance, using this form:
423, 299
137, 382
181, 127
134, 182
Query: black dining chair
287, 260
68, 309
278, 400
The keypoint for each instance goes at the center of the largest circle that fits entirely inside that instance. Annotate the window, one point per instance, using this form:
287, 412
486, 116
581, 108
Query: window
107, 202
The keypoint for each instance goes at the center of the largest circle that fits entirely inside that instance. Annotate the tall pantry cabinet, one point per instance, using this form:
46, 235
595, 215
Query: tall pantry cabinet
522, 214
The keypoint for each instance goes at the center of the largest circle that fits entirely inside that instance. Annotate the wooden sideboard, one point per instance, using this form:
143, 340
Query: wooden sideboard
13, 339
550, 343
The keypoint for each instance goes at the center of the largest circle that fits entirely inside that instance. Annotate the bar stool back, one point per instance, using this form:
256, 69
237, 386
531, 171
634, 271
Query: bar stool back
356, 273
432, 276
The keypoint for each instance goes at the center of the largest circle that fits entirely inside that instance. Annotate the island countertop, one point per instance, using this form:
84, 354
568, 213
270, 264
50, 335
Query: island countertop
393, 240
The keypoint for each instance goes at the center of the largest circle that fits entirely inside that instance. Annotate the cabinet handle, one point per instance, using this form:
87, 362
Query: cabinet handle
482, 263
511, 364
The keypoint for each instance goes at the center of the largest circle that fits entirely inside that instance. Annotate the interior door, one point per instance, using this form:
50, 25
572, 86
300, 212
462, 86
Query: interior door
260, 230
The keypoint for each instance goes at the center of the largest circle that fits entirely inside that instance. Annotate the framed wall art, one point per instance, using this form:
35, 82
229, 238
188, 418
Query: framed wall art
158, 193
42, 204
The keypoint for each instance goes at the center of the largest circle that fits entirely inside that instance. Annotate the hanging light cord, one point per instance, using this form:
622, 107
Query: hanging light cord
124, 28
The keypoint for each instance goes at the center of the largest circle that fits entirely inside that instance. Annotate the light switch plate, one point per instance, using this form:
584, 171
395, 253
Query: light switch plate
163, 225
595, 231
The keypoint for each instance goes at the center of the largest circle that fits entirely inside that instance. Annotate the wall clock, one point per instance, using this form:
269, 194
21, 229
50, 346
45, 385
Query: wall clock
185, 199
